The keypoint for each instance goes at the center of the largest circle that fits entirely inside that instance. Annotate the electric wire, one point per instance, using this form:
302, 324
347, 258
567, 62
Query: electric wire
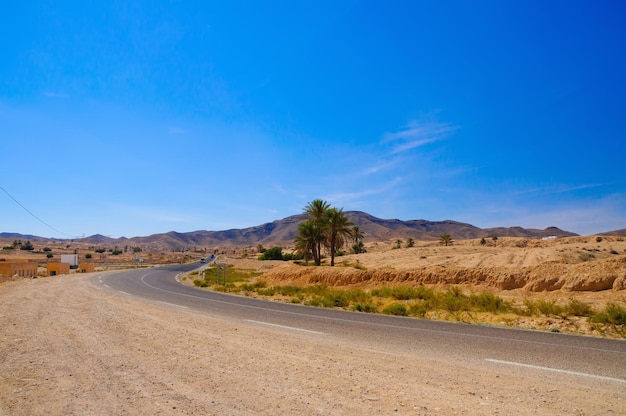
36, 217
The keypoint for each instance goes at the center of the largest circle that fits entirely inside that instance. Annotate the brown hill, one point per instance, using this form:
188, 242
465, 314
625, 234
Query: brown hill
282, 232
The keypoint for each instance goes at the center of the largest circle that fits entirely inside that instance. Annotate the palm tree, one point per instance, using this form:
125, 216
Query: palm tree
357, 236
306, 241
445, 239
338, 229
316, 210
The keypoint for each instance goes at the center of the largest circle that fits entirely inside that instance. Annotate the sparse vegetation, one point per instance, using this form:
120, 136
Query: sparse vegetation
274, 253
446, 239
420, 301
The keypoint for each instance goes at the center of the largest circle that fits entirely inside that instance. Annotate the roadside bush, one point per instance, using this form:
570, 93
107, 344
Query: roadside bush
547, 307
578, 308
419, 309
613, 314
397, 309
488, 302
365, 307
200, 283
454, 300
404, 293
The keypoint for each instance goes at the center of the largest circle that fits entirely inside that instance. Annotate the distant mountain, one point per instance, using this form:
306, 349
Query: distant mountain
616, 233
282, 232
27, 237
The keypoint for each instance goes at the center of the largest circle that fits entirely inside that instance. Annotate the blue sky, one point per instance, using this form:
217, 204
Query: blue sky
134, 119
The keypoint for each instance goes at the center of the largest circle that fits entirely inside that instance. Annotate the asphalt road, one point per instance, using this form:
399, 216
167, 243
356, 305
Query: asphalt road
588, 359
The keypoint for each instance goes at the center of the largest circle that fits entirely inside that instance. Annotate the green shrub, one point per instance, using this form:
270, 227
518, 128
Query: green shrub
404, 293
267, 291
200, 283
397, 309
547, 307
454, 300
291, 256
274, 253
289, 290
613, 314
419, 309
365, 307
488, 302
578, 308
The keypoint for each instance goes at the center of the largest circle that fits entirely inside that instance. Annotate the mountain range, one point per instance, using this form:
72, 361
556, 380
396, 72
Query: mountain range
282, 232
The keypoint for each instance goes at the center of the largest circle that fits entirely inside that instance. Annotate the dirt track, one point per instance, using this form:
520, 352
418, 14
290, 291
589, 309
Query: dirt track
71, 348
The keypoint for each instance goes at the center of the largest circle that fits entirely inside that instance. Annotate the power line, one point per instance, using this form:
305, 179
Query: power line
36, 217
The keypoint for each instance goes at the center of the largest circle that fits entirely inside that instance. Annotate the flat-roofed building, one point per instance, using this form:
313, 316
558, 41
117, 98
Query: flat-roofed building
17, 268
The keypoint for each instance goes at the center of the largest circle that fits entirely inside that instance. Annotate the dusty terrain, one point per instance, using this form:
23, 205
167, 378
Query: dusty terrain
71, 347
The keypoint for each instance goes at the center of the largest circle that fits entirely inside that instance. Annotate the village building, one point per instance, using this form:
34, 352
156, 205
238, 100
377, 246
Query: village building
17, 268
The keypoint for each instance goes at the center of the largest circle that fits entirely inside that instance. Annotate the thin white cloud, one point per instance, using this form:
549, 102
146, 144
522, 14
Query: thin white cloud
417, 134
383, 165
557, 189
344, 197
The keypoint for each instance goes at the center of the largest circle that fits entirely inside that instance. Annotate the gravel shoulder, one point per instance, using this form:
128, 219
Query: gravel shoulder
73, 348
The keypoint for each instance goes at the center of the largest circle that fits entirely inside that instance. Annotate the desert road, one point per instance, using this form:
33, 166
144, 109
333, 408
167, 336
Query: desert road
586, 359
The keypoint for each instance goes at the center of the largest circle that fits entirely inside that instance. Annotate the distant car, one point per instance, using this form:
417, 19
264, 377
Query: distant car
203, 260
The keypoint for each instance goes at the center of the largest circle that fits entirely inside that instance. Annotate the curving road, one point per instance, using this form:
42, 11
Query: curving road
586, 359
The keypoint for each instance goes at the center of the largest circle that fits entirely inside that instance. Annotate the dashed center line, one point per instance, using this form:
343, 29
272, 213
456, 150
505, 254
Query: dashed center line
556, 370
293, 328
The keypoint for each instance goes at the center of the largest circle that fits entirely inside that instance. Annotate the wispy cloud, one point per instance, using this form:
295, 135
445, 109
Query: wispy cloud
416, 134
345, 197
383, 165
557, 189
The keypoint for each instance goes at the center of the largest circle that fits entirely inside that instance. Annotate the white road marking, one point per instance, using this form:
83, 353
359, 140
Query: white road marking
573, 373
293, 328
172, 304
125, 293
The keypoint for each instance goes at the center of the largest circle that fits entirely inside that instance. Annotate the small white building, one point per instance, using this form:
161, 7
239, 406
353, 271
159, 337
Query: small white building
71, 259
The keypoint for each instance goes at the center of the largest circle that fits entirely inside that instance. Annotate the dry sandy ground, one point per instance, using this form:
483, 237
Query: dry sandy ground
69, 347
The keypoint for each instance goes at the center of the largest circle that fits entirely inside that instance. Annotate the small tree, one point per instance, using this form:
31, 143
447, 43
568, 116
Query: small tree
446, 239
397, 244
274, 253
357, 235
410, 242
27, 246
495, 240
338, 229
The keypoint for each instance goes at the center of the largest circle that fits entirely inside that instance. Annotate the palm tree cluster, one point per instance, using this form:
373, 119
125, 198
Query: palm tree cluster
326, 227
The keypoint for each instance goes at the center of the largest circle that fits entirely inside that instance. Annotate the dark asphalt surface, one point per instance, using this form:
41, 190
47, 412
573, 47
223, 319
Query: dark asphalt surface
585, 358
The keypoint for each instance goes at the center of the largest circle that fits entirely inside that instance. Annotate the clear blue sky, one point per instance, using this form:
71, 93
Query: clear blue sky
134, 119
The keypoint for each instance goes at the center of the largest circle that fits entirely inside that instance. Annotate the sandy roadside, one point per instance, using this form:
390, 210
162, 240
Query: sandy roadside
72, 348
